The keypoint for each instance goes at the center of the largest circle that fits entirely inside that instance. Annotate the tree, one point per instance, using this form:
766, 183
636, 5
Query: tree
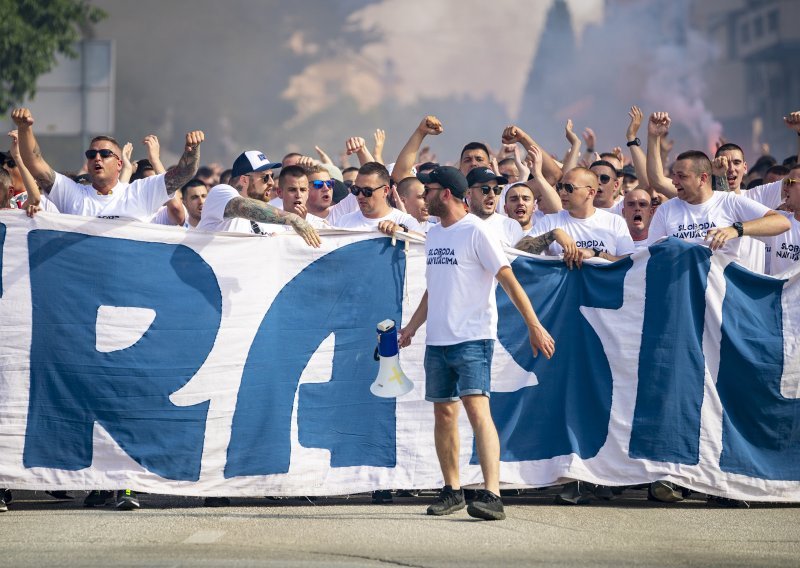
32, 32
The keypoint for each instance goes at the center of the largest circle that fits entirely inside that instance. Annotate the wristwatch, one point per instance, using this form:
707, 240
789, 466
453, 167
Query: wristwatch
739, 228
597, 251
405, 228
634, 142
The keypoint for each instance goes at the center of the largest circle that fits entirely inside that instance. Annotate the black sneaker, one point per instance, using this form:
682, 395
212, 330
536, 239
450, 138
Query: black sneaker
487, 506
575, 493
62, 495
447, 502
3, 505
5, 495
126, 500
382, 497
97, 498
216, 502
727, 503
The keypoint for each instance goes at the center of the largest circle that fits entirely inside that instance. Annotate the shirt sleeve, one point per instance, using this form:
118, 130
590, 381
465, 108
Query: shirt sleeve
150, 192
658, 226
214, 206
747, 209
489, 250
63, 192
768, 194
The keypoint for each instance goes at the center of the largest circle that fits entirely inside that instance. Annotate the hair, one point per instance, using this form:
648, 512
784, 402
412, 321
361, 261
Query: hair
194, 182
519, 184
609, 155
701, 164
376, 168
291, 155
730, 146
755, 183
314, 169
348, 170
404, 186
790, 161
204, 172
764, 163
777, 170
292, 171
594, 182
475, 146
107, 139
506, 161
141, 166
225, 177
5, 184
609, 165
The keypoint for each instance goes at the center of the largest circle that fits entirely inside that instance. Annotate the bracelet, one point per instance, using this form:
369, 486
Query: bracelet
634, 142
591, 150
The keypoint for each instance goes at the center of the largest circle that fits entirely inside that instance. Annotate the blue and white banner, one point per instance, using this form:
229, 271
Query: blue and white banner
166, 361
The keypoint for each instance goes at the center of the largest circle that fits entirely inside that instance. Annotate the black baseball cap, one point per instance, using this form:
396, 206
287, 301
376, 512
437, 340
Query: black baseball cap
449, 177
482, 175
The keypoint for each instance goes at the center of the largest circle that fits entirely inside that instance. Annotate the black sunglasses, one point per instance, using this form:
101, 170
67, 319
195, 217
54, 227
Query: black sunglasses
427, 190
319, 184
367, 191
486, 189
104, 153
604, 178
569, 188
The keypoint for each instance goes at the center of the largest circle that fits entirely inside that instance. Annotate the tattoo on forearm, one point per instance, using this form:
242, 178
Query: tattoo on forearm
720, 183
177, 177
46, 181
536, 245
246, 208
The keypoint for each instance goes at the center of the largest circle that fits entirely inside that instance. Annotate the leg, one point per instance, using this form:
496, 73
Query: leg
487, 441
445, 433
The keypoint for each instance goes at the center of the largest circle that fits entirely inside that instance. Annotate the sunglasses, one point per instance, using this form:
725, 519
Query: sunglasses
604, 178
487, 189
569, 188
319, 184
367, 191
104, 153
427, 190
9, 163
789, 181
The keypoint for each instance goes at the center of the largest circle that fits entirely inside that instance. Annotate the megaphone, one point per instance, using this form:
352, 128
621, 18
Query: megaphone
391, 380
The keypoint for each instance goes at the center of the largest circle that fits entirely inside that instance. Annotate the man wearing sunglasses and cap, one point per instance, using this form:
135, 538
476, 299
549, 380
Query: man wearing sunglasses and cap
107, 197
463, 260
484, 193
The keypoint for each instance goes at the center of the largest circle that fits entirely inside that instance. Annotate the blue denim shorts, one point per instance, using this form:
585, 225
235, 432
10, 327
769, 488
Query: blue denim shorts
453, 371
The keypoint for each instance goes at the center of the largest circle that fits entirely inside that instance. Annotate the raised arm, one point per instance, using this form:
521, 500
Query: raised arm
380, 139
574, 153
32, 189
719, 171
260, 212
408, 155
358, 146
549, 202
30, 152
514, 134
657, 128
187, 166
154, 153
638, 157
793, 122
127, 167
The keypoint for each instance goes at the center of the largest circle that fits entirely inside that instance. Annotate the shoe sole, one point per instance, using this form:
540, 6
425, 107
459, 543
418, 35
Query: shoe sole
485, 514
449, 511
666, 494
127, 506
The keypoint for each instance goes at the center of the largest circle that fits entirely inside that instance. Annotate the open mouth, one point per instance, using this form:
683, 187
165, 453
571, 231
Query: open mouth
637, 217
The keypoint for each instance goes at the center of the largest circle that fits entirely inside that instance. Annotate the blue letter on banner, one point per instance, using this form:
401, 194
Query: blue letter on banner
568, 411
760, 428
126, 391
346, 292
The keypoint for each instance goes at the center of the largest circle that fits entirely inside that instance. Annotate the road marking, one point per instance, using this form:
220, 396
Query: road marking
204, 537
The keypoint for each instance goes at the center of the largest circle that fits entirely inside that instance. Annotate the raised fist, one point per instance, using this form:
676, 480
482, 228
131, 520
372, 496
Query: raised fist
793, 121
354, 145
194, 139
22, 117
430, 125
659, 124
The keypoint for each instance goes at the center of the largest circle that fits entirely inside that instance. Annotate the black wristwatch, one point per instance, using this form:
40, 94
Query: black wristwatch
597, 251
739, 228
404, 227
634, 142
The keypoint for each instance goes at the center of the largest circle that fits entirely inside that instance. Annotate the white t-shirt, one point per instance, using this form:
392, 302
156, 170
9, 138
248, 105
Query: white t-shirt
162, 217
137, 201
601, 230
212, 218
317, 222
769, 194
640, 244
677, 218
347, 205
784, 249
356, 220
508, 230
615, 209
463, 260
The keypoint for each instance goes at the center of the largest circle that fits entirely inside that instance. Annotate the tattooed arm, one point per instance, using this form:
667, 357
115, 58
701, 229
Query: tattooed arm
537, 245
29, 150
260, 212
187, 166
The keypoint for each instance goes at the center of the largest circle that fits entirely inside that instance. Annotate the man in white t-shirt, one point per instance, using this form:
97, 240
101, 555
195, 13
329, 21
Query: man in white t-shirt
784, 249
484, 192
412, 194
608, 184
320, 196
597, 233
293, 189
464, 259
226, 208
520, 205
371, 190
193, 197
714, 218
107, 196
637, 210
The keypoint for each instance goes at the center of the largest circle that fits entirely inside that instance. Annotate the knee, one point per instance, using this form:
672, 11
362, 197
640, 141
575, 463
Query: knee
445, 414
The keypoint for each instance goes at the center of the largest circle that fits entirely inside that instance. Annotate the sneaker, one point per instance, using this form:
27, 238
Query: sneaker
447, 502
727, 503
97, 498
216, 502
665, 492
126, 500
574, 493
63, 495
603, 492
3, 505
382, 497
487, 506
5, 495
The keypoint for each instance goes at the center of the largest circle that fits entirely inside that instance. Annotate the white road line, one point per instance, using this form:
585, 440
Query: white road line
204, 537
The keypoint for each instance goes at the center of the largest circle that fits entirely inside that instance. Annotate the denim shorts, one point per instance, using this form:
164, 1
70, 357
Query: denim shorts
453, 371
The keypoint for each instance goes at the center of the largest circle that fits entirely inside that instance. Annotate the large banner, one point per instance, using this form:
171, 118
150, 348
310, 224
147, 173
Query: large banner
166, 361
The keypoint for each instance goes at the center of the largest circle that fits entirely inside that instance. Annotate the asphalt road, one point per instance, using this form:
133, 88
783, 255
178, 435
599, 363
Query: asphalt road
179, 531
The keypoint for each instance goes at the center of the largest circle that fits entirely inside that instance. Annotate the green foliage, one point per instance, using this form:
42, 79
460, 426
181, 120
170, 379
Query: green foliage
32, 32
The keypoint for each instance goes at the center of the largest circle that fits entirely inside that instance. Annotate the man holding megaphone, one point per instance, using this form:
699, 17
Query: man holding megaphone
464, 259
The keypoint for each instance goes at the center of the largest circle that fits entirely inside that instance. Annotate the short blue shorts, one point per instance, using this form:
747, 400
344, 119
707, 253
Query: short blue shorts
453, 371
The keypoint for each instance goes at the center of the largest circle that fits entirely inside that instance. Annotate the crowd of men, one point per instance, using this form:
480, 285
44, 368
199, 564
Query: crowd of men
578, 206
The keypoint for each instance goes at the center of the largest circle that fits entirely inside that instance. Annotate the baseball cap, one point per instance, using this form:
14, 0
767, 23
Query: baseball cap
629, 170
252, 161
446, 176
482, 175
